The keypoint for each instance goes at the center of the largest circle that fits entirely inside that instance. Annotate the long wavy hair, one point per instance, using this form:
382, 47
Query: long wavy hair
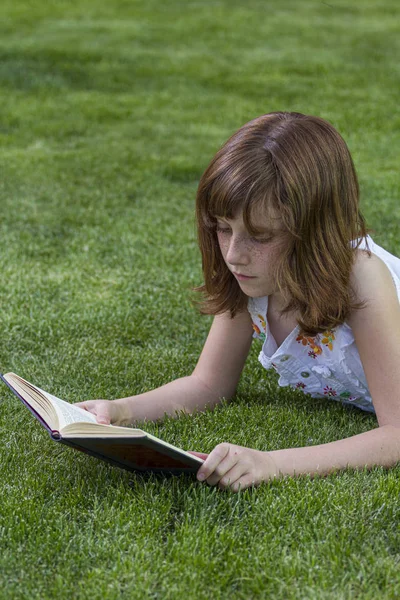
299, 166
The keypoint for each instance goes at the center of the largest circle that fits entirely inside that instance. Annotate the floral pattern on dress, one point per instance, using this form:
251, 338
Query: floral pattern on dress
313, 341
263, 322
318, 355
348, 396
256, 329
328, 338
261, 334
309, 341
328, 391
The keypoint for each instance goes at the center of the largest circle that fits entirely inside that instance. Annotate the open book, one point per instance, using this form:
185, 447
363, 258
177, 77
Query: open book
130, 449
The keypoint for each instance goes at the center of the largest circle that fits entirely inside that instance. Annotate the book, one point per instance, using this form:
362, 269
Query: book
125, 447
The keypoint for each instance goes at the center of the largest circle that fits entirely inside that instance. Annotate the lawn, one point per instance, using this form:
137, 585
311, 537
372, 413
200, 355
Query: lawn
110, 111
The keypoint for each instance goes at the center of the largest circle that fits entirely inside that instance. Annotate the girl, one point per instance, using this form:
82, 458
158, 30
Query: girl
287, 258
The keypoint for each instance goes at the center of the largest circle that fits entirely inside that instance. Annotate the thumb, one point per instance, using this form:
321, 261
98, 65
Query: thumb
102, 416
99, 409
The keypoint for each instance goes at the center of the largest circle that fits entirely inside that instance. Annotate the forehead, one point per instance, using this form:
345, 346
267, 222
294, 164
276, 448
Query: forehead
260, 222
265, 216
258, 219
256, 205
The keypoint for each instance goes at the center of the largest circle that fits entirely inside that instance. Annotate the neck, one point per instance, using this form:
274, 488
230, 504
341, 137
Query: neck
276, 301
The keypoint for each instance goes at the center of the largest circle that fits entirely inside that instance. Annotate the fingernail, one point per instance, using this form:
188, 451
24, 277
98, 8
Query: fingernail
201, 477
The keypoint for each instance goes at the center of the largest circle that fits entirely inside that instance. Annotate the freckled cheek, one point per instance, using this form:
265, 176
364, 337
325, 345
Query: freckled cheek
223, 244
266, 260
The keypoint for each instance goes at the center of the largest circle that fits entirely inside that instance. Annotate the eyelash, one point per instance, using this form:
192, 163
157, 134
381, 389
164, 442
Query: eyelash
222, 229
262, 240
226, 230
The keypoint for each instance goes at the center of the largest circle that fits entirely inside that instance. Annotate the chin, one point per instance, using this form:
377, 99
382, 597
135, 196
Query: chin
256, 294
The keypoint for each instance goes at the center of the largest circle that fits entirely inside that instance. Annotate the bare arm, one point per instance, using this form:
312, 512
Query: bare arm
215, 376
238, 467
376, 330
377, 447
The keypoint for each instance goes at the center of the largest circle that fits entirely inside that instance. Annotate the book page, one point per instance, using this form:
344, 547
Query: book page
54, 413
68, 413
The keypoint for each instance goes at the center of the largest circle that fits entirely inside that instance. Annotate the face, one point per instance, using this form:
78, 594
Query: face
252, 260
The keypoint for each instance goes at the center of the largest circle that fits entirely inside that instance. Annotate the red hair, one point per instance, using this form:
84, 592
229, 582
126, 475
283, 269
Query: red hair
301, 167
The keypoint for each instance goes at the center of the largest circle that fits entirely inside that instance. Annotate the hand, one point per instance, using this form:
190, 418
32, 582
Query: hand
235, 467
105, 411
199, 454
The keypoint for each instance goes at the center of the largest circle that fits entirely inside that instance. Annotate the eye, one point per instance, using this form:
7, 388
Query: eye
261, 239
223, 228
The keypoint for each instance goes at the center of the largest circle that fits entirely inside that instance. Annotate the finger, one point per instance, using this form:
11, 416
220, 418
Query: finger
232, 476
244, 482
102, 415
213, 460
199, 454
88, 405
98, 409
223, 467
82, 405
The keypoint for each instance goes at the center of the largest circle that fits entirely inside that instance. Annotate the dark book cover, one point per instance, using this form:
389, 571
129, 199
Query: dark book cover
136, 453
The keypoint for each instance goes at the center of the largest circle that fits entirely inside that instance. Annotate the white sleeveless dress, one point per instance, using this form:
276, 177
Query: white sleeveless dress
327, 365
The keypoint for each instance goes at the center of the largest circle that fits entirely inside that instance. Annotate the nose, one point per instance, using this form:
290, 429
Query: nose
237, 252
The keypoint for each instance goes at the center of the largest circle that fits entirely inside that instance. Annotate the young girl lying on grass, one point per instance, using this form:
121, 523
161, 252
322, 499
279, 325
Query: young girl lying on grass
287, 258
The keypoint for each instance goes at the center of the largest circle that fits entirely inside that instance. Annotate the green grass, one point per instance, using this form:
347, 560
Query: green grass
110, 111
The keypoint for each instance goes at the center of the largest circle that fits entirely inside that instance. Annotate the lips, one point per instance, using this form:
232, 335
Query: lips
242, 277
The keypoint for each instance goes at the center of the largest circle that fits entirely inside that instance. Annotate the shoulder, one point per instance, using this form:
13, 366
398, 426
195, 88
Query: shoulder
371, 279
373, 286
376, 330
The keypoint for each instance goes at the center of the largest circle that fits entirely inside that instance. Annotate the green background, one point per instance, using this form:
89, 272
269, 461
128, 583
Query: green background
109, 113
